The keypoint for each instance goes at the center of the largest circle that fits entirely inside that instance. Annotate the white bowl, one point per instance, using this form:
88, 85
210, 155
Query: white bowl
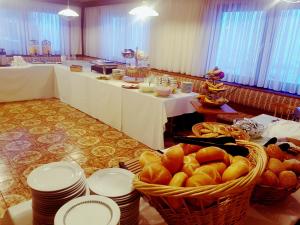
147, 88
163, 91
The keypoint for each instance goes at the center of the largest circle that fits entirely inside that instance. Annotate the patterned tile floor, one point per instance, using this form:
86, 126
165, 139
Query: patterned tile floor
42, 131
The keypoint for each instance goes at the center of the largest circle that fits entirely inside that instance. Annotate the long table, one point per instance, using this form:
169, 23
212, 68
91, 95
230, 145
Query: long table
141, 116
26, 82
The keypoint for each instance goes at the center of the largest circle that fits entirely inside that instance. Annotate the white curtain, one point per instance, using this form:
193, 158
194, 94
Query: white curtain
175, 43
236, 42
110, 29
29, 20
254, 42
280, 69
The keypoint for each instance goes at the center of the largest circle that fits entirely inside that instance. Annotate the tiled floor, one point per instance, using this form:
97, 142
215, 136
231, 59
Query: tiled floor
42, 131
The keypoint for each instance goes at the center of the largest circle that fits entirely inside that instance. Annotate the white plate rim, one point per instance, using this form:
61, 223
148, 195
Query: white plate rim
77, 171
116, 213
92, 180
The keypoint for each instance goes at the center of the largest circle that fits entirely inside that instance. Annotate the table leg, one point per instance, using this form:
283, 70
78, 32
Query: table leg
210, 117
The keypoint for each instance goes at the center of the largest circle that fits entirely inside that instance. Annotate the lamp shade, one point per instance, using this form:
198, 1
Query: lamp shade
143, 11
68, 13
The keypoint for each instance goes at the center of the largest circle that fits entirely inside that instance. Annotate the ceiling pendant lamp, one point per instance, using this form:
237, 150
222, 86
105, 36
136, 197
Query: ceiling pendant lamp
143, 11
68, 12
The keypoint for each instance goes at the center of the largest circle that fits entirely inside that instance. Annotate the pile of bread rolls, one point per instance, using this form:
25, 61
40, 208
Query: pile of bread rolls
282, 169
186, 165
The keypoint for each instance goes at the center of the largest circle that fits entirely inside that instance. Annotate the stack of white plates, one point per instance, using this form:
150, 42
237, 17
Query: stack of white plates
116, 184
52, 185
88, 210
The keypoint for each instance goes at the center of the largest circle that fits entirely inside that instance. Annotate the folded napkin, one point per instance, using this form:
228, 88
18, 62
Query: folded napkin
283, 128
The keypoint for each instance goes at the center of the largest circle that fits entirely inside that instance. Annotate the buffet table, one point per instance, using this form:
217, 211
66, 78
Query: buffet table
26, 82
141, 116
100, 99
286, 213
144, 115
283, 213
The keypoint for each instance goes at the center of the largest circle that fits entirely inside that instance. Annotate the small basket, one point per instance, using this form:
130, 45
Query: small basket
229, 130
268, 195
222, 204
76, 68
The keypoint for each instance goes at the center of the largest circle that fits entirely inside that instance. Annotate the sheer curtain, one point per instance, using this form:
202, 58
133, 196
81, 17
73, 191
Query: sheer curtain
25, 21
281, 68
256, 43
236, 44
175, 36
110, 29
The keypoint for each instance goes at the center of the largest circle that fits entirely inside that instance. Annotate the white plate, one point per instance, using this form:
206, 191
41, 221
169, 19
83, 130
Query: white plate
91, 210
54, 176
59, 194
111, 182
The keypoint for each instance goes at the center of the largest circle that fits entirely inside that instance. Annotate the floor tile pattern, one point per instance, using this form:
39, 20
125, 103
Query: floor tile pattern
36, 132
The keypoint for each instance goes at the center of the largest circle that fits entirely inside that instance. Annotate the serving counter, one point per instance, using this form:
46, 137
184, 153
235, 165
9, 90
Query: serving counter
141, 116
26, 82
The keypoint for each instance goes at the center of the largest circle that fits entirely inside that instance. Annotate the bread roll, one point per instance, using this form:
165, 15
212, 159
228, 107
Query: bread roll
287, 156
273, 151
211, 171
155, 173
178, 180
210, 154
190, 163
293, 165
219, 166
188, 148
235, 171
148, 157
268, 178
275, 165
199, 179
191, 158
227, 159
240, 159
173, 159
287, 179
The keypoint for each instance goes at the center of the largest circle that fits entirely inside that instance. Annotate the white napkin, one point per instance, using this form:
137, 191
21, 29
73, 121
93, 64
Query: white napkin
283, 128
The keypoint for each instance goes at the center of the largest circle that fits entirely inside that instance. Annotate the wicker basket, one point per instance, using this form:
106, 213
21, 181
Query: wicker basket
228, 202
235, 132
75, 68
268, 195
139, 72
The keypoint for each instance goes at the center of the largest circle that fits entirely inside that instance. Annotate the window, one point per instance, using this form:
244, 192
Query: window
260, 48
110, 30
239, 44
284, 65
10, 32
21, 24
45, 26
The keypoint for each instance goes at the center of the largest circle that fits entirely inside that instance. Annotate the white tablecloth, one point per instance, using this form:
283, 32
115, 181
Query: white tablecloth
99, 99
139, 115
26, 82
276, 127
144, 115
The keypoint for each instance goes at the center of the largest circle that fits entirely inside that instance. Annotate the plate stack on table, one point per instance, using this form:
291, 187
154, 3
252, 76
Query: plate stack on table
88, 210
116, 184
52, 185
